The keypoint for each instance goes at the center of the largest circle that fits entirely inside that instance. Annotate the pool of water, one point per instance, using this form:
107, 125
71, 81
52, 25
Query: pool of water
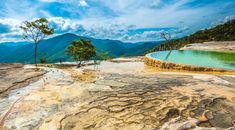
212, 59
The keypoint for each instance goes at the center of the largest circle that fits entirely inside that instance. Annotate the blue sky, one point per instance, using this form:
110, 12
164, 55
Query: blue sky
125, 20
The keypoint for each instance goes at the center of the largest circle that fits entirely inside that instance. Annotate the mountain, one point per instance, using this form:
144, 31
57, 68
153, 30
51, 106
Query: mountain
14, 43
54, 48
223, 32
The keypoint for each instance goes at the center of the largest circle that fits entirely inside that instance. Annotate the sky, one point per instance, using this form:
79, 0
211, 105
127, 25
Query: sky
125, 20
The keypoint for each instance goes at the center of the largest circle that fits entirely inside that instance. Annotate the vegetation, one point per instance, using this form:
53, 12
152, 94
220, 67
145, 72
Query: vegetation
43, 60
36, 31
223, 32
81, 50
102, 56
55, 47
167, 37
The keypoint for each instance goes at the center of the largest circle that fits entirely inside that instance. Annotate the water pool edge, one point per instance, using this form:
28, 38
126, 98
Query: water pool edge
150, 61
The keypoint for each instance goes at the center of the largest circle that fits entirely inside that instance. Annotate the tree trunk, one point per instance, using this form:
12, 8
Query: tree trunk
35, 54
79, 64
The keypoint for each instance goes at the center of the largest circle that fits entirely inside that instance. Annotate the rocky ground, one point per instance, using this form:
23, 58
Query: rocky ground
224, 46
14, 76
122, 95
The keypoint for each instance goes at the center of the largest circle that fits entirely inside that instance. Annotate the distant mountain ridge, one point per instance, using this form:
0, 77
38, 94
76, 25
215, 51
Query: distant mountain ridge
54, 48
223, 32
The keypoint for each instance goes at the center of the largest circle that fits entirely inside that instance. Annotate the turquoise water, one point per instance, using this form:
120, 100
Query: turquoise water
213, 59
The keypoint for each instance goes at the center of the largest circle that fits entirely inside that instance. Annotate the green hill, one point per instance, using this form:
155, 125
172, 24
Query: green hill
223, 32
54, 48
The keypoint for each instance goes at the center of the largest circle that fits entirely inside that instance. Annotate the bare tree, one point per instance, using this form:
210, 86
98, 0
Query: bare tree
167, 37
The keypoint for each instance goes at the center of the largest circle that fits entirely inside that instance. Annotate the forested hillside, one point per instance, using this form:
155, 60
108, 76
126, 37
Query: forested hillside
223, 32
53, 49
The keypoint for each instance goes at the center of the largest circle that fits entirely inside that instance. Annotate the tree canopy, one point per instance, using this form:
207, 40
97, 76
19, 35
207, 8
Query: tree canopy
37, 30
81, 50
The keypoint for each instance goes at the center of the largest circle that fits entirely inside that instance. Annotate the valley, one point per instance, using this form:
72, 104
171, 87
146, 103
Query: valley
54, 49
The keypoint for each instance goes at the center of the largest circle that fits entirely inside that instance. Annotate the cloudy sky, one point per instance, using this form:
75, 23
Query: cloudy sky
125, 20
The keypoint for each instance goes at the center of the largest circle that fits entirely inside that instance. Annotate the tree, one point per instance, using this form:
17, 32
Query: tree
102, 56
167, 37
81, 50
36, 31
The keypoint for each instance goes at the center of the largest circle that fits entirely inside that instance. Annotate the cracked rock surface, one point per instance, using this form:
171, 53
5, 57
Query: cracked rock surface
14, 76
125, 96
147, 103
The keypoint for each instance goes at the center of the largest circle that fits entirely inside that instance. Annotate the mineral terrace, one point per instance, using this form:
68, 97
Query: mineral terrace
120, 95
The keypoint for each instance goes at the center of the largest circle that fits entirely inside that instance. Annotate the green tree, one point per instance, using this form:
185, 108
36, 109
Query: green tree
102, 56
36, 31
81, 50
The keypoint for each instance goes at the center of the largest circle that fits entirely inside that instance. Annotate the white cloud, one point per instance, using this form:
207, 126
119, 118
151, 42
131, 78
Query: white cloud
62, 25
228, 18
113, 18
48, 0
14, 33
79, 2
83, 3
